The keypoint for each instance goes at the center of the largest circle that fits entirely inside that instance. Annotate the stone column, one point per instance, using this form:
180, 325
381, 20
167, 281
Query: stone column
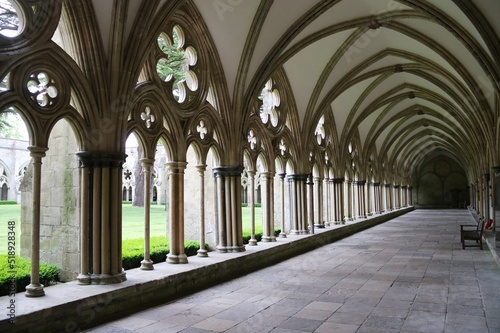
35, 289
410, 196
338, 185
486, 196
251, 176
266, 181
298, 203
318, 182
327, 189
376, 197
360, 184
369, 199
101, 243
404, 196
310, 206
282, 183
202, 252
496, 204
229, 207
388, 197
147, 263
350, 206
176, 213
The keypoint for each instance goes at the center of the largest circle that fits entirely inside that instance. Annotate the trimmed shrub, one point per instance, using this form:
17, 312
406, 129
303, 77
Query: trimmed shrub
133, 250
258, 236
8, 202
49, 274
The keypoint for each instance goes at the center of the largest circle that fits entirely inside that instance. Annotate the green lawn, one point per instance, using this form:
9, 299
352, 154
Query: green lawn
132, 222
9, 213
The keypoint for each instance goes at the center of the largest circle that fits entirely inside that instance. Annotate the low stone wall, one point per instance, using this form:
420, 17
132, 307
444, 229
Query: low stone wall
66, 312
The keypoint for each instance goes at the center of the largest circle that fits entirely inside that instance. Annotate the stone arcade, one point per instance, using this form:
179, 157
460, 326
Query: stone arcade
323, 111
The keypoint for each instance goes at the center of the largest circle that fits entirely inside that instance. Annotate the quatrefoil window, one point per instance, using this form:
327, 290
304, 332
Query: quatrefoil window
282, 147
252, 140
148, 117
202, 130
270, 101
42, 89
176, 63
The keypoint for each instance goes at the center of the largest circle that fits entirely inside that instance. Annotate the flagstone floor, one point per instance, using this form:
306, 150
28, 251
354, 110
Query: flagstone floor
406, 275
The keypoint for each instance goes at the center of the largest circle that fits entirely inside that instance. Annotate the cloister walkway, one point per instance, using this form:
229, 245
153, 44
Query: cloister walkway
409, 274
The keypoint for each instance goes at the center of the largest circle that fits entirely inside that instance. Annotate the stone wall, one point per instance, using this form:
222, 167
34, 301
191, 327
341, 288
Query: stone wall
59, 226
441, 183
14, 156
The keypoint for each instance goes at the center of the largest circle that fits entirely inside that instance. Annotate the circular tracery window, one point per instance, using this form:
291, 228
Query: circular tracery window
42, 89
176, 63
10, 19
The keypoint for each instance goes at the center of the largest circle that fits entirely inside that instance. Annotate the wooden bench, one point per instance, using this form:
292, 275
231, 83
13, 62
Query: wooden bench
472, 232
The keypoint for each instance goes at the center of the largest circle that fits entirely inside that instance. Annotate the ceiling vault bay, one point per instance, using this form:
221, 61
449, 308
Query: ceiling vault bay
405, 79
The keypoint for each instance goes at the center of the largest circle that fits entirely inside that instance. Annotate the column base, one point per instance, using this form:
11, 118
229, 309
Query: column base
228, 249
147, 265
282, 235
319, 225
269, 238
202, 253
34, 290
177, 258
299, 232
252, 242
107, 278
83, 279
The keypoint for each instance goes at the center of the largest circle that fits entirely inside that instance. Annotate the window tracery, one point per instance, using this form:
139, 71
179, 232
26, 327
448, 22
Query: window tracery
42, 89
252, 140
148, 117
176, 63
11, 24
270, 102
320, 130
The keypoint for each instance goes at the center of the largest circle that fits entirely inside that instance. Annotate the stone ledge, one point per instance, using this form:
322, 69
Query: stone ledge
69, 307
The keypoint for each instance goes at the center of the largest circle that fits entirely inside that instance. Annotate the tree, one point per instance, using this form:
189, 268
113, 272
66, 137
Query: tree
175, 64
9, 21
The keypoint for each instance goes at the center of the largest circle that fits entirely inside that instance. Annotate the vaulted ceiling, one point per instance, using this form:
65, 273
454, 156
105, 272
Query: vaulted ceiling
403, 79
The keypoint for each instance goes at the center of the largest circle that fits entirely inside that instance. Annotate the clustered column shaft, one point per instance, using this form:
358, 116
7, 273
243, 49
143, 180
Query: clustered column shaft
228, 183
100, 260
176, 177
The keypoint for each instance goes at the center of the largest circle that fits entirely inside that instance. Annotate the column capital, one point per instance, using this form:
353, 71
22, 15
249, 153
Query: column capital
201, 167
266, 175
404, 187
227, 171
487, 177
376, 183
396, 186
496, 169
360, 182
282, 175
36, 151
147, 161
176, 167
100, 160
298, 177
387, 185
338, 180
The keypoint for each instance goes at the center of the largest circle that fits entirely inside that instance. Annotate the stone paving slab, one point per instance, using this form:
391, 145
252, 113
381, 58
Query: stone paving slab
409, 274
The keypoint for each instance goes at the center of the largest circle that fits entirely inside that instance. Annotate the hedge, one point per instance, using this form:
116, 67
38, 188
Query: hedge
258, 236
49, 274
133, 250
8, 202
